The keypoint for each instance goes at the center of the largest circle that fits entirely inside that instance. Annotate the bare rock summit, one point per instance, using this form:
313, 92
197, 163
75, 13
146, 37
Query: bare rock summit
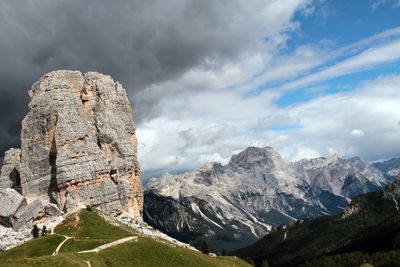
78, 147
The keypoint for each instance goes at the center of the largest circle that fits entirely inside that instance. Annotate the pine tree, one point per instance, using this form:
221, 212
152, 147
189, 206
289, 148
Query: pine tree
35, 231
44, 230
205, 248
89, 208
224, 252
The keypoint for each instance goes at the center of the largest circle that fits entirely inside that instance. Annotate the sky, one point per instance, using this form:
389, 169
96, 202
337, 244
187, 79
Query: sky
209, 78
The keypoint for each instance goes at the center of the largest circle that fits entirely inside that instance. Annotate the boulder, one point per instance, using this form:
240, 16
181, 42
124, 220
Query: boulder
27, 216
11, 202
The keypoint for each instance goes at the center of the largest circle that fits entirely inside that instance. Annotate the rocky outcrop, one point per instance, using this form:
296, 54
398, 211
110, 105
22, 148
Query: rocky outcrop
78, 146
11, 202
350, 210
15, 212
392, 192
9, 176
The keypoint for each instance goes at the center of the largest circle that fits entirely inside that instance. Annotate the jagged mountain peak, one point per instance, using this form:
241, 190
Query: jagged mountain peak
334, 159
256, 155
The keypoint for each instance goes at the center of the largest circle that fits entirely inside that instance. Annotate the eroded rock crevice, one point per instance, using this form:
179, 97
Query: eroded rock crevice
15, 179
53, 189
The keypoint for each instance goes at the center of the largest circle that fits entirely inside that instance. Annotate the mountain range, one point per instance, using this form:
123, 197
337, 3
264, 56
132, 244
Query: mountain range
234, 205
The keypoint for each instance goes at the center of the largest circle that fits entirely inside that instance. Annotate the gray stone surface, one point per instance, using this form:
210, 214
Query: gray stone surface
10, 177
52, 210
10, 203
10, 238
28, 215
78, 147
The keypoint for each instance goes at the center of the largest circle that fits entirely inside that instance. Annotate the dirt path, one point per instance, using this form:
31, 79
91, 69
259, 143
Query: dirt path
66, 237
111, 244
61, 244
95, 250
77, 219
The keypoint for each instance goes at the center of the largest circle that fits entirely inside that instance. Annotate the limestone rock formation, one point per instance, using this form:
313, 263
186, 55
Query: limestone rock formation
78, 146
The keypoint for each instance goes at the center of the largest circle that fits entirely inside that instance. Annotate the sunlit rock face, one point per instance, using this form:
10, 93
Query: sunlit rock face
78, 146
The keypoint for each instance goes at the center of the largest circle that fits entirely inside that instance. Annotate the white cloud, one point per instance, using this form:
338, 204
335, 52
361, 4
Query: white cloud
366, 53
357, 133
209, 113
367, 59
271, 23
284, 67
378, 3
327, 121
361, 55
213, 125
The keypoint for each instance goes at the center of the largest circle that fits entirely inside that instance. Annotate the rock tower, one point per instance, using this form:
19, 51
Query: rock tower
78, 147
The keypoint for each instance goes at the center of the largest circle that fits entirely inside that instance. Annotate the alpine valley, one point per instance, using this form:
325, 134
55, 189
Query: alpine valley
234, 205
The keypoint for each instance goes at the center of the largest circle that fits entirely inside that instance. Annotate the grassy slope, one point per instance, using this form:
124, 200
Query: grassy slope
146, 252
90, 225
328, 234
64, 260
34, 248
91, 231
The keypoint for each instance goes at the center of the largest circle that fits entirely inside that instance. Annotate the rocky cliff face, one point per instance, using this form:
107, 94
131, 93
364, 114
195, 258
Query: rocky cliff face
235, 204
78, 146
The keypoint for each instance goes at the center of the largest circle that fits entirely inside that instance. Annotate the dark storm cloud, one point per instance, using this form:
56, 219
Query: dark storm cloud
137, 42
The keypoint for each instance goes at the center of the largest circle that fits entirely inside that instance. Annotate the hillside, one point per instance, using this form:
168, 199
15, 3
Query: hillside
88, 239
371, 223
